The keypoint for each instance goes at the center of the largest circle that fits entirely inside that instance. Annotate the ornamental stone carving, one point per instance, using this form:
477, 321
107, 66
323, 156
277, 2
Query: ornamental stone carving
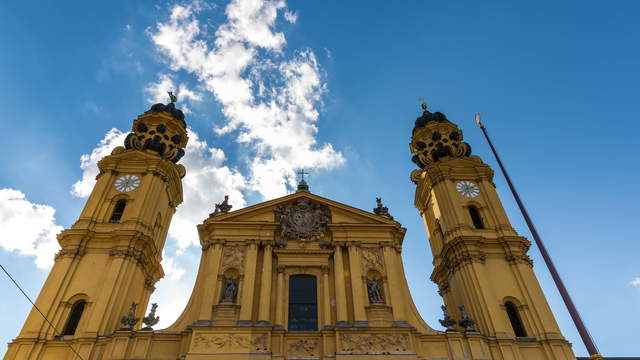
259, 343
372, 260
221, 341
519, 259
302, 219
233, 257
374, 343
303, 347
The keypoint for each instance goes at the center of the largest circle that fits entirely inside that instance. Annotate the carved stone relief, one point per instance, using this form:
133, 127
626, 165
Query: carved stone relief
233, 257
221, 342
259, 343
372, 260
374, 342
303, 347
302, 219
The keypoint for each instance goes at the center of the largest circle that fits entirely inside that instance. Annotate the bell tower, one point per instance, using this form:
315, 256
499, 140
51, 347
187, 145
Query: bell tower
110, 257
481, 263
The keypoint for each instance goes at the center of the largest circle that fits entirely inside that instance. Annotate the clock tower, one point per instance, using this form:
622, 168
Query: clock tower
481, 264
110, 258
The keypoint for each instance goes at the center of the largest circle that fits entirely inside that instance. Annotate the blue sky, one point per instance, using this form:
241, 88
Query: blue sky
333, 86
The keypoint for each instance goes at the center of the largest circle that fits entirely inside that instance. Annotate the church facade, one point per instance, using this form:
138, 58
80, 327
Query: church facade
298, 277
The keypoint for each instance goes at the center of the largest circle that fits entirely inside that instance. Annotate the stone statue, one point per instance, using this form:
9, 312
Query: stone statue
130, 320
466, 322
223, 207
172, 97
448, 322
382, 210
374, 290
151, 319
230, 290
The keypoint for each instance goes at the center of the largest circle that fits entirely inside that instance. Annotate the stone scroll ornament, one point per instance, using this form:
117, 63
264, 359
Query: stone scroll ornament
303, 220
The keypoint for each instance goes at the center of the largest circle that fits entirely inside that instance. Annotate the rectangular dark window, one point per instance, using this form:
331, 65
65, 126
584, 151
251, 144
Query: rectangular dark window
303, 303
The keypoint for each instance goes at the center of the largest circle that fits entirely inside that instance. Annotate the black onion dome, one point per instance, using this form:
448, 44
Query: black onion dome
428, 117
170, 108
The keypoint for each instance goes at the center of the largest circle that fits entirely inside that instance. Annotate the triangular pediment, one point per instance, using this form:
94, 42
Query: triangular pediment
340, 213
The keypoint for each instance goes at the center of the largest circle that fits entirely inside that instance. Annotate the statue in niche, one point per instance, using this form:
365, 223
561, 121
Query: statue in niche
374, 290
230, 290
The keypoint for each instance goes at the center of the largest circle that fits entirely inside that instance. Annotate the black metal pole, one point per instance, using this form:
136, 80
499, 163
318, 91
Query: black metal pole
577, 320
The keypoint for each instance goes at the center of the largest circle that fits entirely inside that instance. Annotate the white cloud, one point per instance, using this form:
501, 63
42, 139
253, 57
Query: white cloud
28, 228
157, 92
83, 187
206, 183
171, 270
291, 16
635, 281
269, 100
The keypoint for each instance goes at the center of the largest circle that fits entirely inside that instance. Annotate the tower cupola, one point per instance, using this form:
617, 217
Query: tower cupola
434, 137
160, 129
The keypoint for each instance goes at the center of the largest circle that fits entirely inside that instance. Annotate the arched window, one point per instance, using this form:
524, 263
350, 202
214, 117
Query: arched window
74, 317
475, 217
514, 317
303, 303
118, 210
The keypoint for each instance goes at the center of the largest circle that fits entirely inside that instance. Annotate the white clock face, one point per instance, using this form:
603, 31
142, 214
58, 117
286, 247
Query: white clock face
127, 183
467, 189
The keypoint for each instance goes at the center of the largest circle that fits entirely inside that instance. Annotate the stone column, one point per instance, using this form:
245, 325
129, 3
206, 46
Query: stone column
341, 297
326, 299
357, 285
280, 299
246, 302
212, 263
393, 280
265, 288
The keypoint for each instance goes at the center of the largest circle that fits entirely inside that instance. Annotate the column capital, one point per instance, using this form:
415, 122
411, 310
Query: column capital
280, 269
355, 244
325, 269
251, 242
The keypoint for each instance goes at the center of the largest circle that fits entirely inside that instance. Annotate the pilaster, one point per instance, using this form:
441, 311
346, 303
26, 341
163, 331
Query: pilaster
357, 285
248, 286
264, 316
341, 294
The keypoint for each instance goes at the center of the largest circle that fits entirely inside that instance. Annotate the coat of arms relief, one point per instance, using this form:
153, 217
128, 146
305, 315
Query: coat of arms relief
304, 220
